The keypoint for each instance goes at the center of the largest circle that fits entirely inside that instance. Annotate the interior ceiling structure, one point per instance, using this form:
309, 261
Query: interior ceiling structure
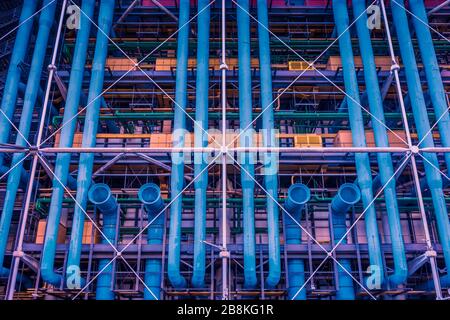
224, 149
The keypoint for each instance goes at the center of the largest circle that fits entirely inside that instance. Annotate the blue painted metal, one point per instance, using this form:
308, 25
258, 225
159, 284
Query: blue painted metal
348, 195
385, 166
433, 176
201, 140
359, 140
150, 196
66, 139
432, 72
298, 196
179, 126
269, 140
246, 140
14, 71
34, 77
106, 15
100, 195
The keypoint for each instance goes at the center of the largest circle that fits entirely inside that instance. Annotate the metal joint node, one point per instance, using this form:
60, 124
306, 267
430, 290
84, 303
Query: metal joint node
414, 149
430, 253
33, 150
224, 254
51, 67
223, 65
18, 254
395, 67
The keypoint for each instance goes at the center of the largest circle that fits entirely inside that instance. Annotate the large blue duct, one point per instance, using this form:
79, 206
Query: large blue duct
18, 54
432, 73
246, 140
201, 140
298, 196
433, 176
150, 196
385, 166
359, 140
66, 139
34, 77
348, 195
179, 126
106, 15
100, 195
268, 134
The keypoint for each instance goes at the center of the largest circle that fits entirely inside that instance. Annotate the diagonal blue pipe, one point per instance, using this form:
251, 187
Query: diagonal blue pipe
298, 196
105, 19
271, 172
33, 83
348, 195
179, 126
150, 196
100, 195
201, 140
359, 140
66, 139
432, 72
385, 166
18, 55
246, 140
433, 176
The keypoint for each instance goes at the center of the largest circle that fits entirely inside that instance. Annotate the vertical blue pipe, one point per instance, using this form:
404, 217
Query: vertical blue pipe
246, 140
432, 72
100, 195
86, 162
270, 162
33, 84
201, 140
385, 166
150, 196
66, 139
358, 136
348, 195
422, 122
14, 71
179, 127
298, 196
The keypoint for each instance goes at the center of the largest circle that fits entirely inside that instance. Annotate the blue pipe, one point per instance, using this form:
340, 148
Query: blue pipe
298, 196
179, 126
105, 19
150, 196
201, 140
432, 73
100, 195
34, 77
359, 140
23, 279
348, 195
66, 139
14, 71
271, 172
385, 166
422, 122
246, 140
